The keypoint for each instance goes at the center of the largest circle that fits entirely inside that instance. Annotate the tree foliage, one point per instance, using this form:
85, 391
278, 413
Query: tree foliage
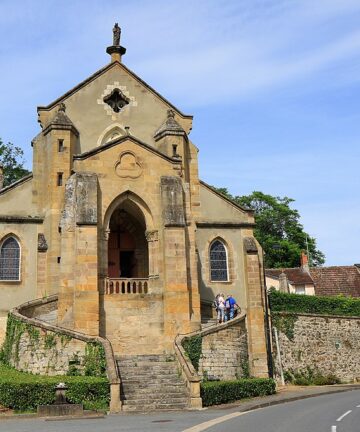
12, 161
278, 230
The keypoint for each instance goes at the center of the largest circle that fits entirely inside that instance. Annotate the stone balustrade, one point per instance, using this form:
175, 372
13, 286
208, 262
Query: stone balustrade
126, 285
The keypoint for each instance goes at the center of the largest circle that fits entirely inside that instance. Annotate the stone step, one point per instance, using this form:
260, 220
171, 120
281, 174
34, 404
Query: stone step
157, 401
144, 397
154, 390
167, 373
147, 375
147, 371
151, 408
143, 375
146, 364
147, 358
206, 323
151, 383
155, 385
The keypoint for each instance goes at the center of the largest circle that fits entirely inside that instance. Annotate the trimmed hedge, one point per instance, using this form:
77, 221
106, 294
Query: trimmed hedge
219, 392
25, 391
282, 302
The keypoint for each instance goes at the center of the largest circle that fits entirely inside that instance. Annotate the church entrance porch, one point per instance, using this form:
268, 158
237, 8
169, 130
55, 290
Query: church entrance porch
132, 308
128, 254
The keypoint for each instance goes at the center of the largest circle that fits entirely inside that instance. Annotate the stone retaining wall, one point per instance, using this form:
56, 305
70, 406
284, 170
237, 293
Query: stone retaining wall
44, 352
330, 344
40, 347
225, 351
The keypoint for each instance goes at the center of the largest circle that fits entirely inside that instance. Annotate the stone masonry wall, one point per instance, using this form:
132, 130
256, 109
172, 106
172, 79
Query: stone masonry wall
44, 352
330, 344
225, 351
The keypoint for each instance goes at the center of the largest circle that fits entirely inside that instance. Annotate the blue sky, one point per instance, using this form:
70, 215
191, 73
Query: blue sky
274, 87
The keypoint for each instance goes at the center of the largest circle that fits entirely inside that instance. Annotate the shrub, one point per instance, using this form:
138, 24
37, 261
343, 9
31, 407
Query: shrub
310, 376
193, 349
282, 302
95, 360
24, 391
218, 392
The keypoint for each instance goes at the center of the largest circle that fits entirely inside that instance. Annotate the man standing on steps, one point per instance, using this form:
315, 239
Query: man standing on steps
230, 304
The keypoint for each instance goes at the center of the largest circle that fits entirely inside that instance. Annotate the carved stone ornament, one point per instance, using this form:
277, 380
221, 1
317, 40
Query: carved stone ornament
42, 245
172, 201
250, 245
116, 100
128, 165
152, 235
116, 34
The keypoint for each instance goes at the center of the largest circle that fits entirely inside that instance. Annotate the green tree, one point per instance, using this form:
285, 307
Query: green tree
12, 161
278, 230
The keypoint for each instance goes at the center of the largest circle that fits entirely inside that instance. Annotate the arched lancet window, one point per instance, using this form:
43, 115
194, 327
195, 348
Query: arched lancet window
218, 262
10, 260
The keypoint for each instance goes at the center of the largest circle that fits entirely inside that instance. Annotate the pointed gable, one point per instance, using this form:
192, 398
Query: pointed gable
91, 114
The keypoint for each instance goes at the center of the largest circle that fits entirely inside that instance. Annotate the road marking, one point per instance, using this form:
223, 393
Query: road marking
341, 417
333, 428
357, 406
202, 426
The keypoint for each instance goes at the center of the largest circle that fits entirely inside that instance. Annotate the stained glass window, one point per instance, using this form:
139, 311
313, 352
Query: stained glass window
218, 262
10, 260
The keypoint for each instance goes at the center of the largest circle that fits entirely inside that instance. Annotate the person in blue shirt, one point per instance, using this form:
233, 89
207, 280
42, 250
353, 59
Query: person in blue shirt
231, 306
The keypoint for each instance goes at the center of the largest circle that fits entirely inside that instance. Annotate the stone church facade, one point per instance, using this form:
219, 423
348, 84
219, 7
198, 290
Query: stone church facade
115, 220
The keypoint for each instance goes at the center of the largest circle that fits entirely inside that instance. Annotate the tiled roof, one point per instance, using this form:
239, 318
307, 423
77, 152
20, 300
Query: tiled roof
328, 281
337, 280
296, 275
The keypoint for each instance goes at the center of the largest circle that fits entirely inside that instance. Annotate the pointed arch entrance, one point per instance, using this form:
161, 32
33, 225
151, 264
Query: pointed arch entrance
130, 246
127, 245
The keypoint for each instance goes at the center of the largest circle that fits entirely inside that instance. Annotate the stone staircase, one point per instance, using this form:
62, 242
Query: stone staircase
207, 322
151, 383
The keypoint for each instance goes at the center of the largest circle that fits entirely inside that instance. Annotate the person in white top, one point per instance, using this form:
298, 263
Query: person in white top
220, 308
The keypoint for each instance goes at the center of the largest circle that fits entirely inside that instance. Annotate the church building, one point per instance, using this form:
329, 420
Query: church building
115, 220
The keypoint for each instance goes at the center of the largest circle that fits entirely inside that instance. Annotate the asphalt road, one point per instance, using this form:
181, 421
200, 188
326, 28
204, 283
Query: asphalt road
329, 413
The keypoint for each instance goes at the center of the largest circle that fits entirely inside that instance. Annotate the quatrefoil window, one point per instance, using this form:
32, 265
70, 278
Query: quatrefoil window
116, 100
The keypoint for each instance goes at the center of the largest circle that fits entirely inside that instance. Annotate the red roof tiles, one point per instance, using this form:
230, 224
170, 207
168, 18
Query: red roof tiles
296, 275
328, 281
331, 281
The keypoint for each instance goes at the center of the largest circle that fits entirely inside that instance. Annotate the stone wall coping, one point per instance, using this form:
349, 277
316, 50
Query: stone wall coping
109, 355
21, 219
189, 374
37, 302
186, 365
16, 183
225, 224
216, 328
189, 368
188, 371
320, 315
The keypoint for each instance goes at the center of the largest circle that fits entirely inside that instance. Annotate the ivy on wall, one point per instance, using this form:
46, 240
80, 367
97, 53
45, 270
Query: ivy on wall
15, 328
93, 363
285, 323
193, 349
94, 360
